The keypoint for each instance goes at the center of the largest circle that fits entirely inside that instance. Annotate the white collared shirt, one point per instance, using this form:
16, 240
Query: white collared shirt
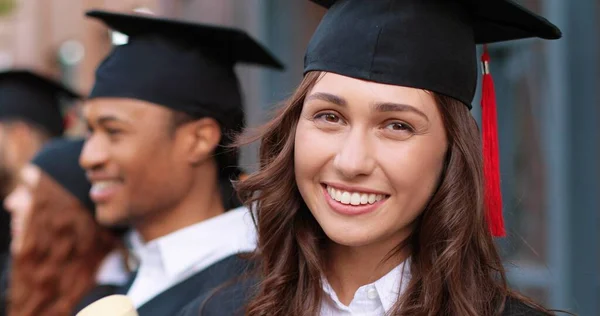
112, 270
173, 258
375, 299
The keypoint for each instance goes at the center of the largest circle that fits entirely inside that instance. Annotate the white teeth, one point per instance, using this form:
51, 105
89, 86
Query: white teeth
353, 198
331, 192
345, 198
101, 185
338, 195
372, 198
364, 198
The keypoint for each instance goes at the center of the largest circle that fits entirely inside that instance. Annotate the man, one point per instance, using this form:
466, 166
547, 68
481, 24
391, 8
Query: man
162, 109
30, 114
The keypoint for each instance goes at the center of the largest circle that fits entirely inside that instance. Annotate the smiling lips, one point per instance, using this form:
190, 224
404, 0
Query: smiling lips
354, 198
352, 203
101, 191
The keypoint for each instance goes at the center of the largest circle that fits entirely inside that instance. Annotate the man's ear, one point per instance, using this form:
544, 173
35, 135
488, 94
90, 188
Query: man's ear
202, 138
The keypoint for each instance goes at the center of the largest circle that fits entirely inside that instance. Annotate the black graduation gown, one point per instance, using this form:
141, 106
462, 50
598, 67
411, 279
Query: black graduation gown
171, 301
226, 301
231, 301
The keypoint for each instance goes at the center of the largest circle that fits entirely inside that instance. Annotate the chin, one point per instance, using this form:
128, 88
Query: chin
349, 237
109, 216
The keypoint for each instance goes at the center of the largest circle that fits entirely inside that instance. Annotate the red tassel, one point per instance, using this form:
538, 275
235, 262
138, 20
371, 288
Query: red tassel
491, 163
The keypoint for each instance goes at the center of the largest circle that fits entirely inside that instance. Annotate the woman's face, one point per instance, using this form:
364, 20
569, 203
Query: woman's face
368, 157
19, 204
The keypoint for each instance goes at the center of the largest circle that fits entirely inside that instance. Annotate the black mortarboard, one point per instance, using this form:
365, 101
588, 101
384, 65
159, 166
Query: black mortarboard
426, 44
430, 45
180, 65
60, 160
27, 96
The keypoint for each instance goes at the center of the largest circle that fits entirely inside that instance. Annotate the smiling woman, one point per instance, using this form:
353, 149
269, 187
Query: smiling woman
419, 170
371, 197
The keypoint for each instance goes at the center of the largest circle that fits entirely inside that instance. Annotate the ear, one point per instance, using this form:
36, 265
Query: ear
203, 137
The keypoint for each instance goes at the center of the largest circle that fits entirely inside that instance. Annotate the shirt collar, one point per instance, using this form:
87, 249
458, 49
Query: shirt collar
204, 242
112, 271
389, 287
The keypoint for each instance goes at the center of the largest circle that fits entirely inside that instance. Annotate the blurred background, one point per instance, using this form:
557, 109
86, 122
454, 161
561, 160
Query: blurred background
548, 103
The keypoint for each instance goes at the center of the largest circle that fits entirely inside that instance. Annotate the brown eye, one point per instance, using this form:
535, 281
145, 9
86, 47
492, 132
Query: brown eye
332, 118
328, 117
397, 126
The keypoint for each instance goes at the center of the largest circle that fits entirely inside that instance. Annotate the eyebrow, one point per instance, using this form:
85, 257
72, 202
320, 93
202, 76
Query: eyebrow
327, 97
398, 107
108, 119
379, 107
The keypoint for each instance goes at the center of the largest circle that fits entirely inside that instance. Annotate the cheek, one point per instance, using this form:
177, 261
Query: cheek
413, 172
140, 157
151, 170
312, 151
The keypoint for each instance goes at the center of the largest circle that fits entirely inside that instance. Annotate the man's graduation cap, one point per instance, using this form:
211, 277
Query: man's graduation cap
184, 66
59, 159
27, 96
426, 44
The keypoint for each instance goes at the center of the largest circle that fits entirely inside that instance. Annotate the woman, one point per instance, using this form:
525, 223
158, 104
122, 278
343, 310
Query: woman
59, 252
372, 196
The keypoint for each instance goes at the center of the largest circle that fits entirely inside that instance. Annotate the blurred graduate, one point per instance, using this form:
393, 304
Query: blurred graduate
30, 114
59, 252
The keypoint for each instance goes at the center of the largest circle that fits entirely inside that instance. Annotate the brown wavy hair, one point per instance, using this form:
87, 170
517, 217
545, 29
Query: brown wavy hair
455, 266
61, 253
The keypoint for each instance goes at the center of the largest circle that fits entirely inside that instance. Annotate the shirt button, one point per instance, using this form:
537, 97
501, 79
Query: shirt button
372, 293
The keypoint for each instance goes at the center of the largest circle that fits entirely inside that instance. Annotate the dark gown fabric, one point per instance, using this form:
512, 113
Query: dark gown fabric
231, 301
171, 301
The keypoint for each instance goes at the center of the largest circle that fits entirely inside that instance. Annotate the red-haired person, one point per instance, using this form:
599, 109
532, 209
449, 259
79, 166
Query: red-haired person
59, 252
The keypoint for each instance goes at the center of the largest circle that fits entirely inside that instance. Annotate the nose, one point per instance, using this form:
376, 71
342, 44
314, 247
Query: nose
354, 157
93, 155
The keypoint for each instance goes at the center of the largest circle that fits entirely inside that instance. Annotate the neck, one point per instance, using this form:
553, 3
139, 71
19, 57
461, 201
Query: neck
202, 202
349, 268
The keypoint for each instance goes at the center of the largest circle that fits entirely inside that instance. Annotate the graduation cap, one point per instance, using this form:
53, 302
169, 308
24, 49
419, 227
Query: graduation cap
426, 44
27, 96
59, 159
180, 65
